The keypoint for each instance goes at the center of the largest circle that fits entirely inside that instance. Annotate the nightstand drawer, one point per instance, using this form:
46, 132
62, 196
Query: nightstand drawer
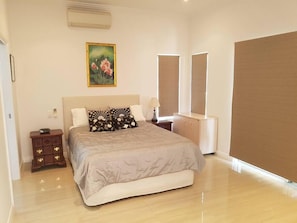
48, 141
51, 150
46, 160
53, 159
45, 150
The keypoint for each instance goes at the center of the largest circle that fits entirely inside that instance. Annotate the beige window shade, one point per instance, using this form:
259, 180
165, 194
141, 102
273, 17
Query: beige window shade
168, 85
198, 91
264, 116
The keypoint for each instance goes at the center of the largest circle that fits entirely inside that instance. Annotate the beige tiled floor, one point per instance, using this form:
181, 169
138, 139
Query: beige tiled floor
219, 195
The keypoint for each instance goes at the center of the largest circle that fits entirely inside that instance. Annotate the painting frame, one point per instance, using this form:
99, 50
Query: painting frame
101, 64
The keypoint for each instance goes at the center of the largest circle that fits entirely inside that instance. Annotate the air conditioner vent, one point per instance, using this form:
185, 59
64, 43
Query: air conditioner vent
88, 18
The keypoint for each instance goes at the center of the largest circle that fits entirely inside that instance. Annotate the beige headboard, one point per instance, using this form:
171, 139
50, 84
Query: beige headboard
94, 102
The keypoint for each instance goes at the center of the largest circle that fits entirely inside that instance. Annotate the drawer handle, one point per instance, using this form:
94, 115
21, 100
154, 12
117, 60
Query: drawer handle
57, 149
39, 151
57, 157
40, 160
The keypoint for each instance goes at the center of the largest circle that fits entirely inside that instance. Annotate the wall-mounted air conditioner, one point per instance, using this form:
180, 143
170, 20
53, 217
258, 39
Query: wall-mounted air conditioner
88, 18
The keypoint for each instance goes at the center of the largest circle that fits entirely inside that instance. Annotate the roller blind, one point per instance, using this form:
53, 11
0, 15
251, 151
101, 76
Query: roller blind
198, 89
168, 85
264, 111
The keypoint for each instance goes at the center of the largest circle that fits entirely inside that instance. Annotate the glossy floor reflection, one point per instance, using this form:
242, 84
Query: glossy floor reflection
219, 194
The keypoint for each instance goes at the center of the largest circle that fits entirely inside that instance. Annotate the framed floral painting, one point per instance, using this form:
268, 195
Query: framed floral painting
101, 64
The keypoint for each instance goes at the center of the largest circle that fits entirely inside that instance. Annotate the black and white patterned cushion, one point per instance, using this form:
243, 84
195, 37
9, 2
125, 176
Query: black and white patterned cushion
102, 125
100, 120
99, 114
116, 112
124, 122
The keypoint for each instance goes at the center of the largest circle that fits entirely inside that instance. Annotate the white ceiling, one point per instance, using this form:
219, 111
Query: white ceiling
175, 6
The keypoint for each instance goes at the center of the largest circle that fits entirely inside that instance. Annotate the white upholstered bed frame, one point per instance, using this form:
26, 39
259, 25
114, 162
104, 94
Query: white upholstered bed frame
118, 191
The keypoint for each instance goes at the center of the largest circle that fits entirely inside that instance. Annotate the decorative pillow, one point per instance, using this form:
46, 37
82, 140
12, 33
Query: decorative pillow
99, 114
124, 122
79, 117
99, 120
101, 125
136, 111
116, 112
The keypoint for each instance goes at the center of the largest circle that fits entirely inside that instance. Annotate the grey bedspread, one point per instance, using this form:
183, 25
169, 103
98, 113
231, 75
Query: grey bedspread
126, 155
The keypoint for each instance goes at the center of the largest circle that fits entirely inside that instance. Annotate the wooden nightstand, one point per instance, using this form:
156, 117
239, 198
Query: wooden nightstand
47, 149
165, 124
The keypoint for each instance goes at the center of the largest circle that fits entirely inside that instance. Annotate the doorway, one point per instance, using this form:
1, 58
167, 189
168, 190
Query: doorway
8, 109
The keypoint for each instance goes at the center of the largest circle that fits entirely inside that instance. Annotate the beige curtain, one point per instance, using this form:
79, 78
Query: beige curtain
168, 85
198, 91
264, 112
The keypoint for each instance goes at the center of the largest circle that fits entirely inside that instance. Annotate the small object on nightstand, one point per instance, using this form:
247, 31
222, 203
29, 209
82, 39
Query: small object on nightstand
47, 149
165, 124
154, 104
44, 131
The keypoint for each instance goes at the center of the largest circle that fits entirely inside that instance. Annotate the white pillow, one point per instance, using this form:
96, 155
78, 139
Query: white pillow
136, 111
79, 117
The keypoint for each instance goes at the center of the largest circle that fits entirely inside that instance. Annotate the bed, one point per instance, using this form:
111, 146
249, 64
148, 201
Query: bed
126, 161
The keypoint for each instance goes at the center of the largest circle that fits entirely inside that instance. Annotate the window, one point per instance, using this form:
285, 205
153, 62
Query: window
198, 90
168, 85
264, 108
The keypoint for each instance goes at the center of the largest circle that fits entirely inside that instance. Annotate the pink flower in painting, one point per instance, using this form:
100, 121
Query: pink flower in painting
108, 72
94, 66
105, 67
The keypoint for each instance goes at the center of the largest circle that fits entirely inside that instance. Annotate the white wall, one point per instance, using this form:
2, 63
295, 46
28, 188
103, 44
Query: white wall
216, 30
51, 58
3, 21
5, 186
